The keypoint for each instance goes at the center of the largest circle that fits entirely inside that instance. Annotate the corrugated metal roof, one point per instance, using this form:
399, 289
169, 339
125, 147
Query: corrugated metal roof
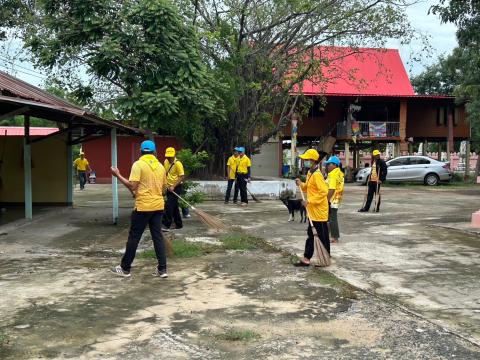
359, 72
20, 131
444, 97
16, 91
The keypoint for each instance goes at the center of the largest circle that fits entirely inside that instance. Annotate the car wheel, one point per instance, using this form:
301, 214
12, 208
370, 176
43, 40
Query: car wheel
431, 179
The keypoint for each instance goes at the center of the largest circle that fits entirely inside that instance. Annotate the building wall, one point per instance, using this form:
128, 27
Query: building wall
267, 162
98, 153
49, 171
422, 121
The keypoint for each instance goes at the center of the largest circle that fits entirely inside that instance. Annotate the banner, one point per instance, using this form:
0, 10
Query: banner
378, 129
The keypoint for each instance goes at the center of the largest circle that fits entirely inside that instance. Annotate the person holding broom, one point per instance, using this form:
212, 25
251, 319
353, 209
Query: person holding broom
243, 177
335, 181
175, 176
147, 182
316, 205
378, 175
231, 174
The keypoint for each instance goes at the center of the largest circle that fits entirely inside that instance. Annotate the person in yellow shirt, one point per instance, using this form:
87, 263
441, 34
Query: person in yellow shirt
335, 181
316, 203
231, 174
378, 175
243, 177
147, 182
82, 165
175, 176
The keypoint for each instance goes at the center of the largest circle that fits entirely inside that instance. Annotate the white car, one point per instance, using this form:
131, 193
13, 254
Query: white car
412, 168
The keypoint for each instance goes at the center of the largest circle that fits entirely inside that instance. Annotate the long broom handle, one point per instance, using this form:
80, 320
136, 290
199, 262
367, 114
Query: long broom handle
309, 220
185, 201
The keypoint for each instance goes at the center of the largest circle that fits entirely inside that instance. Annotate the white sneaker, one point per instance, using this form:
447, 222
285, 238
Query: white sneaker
117, 270
160, 274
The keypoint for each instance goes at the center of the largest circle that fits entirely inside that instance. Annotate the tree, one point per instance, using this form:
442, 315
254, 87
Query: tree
265, 49
134, 59
465, 58
214, 75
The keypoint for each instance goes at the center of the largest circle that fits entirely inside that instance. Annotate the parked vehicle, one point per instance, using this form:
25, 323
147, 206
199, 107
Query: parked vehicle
412, 168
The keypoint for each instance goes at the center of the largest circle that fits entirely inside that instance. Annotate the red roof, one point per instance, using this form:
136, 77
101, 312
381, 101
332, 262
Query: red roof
19, 131
360, 72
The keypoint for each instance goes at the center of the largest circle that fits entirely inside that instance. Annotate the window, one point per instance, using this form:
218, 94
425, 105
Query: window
399, 162
419, 161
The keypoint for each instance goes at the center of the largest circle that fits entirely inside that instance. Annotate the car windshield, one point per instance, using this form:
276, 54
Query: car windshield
399, 162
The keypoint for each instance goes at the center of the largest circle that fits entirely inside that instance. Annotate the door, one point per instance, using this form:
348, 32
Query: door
417, 168
397, 169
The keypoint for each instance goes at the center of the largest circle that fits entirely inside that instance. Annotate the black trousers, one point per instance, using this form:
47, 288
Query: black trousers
229, 190
139, 221
322, 231
372, 190
172, 210
82, 179
241, 185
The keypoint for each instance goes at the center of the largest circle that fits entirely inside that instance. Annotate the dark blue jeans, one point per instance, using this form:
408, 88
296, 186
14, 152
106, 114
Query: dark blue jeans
139, 221
229, 189
82, 179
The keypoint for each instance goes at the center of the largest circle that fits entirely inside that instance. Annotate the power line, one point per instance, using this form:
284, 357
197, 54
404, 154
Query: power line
11, 62
22, 72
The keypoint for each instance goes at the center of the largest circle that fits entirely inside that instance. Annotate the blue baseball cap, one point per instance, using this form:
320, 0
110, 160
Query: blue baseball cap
333, 160
148, 145
240, 149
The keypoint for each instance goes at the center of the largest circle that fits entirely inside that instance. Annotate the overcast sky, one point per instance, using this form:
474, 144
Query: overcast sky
441, 37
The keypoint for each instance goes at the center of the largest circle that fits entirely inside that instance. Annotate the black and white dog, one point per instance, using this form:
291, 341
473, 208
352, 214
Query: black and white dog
295, 205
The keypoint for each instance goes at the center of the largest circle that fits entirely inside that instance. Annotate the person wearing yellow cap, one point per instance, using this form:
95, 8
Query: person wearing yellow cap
82, 165
316, 203
175, 176
378, 175
147, 182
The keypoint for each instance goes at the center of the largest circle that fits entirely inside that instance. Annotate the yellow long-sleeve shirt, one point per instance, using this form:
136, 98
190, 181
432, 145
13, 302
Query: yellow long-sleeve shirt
317, 190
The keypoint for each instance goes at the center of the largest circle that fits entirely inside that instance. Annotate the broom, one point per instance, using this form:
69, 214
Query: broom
253, 196
210, 221
322, 253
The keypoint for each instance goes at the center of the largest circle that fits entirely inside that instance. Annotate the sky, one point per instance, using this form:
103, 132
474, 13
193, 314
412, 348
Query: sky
441, 38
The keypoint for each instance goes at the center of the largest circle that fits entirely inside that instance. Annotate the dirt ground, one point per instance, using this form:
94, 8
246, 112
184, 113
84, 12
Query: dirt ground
61, 301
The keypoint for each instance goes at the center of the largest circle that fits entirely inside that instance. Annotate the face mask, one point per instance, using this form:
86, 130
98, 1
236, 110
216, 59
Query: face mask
307, 164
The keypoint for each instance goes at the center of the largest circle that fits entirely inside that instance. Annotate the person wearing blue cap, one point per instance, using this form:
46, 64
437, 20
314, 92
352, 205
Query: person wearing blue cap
243, 177
335, 181
148, 183
232, 164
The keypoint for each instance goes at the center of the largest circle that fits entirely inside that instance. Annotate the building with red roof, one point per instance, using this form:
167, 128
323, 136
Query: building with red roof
364, 98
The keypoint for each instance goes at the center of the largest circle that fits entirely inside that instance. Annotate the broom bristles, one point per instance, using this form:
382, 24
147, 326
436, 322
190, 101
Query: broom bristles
210, 221
323, 256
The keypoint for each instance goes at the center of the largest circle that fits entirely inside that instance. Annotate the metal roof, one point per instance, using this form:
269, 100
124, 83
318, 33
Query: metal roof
15, 93
20, 131
359, 72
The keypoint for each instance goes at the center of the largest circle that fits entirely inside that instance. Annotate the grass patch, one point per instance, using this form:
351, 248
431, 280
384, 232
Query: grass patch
181, 249
344, 289
238, 335
3, 340
240, 241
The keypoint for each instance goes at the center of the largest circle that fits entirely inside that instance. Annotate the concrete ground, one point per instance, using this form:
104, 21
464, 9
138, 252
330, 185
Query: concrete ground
61, 302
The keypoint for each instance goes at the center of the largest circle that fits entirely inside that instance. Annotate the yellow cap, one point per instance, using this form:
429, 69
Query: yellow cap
376, 152
310, 154
170, 152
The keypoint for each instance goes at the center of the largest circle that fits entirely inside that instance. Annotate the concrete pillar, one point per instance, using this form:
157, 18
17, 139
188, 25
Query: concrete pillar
404, 148
114, 179
439, 151
27, 169
467, 161
293, 160
69, 170
425, 145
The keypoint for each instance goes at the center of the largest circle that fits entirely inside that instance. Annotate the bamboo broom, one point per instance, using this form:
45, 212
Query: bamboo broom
322, 254
209, 220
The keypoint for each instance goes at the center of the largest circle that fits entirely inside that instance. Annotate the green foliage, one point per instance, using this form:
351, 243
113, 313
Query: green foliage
192, 162
240, 241
181, 249
238, 335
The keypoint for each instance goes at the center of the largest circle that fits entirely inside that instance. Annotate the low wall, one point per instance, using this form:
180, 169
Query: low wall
271, 189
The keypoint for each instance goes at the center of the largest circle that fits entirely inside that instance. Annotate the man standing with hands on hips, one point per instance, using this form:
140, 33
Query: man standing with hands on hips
377, 177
